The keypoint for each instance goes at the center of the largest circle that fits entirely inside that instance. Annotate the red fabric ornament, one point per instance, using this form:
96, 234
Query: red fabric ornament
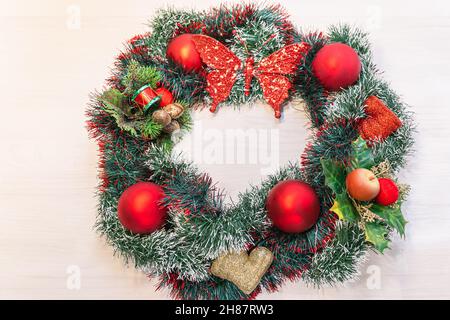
139, 209
182, 51
388, 192
271, 71
293, 206
165, 95
380, 121
336, 66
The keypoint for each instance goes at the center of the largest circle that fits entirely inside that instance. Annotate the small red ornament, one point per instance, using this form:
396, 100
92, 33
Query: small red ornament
271, 71
165, 95
146, 97
337, 66
293, 206
139, 209
380, 121
388, 192
182, 51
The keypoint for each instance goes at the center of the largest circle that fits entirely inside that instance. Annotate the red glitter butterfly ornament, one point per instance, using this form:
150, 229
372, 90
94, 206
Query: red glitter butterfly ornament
271, 71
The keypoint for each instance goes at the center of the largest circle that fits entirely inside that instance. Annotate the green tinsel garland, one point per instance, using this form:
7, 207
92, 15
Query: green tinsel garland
181, 253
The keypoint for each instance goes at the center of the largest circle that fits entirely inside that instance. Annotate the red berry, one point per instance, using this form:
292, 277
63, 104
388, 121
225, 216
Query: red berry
388, 192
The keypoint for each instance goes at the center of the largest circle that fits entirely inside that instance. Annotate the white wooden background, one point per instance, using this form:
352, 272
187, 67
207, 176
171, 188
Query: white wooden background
49, 64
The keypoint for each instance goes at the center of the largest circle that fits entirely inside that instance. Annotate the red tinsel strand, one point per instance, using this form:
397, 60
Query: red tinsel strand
242, 13
286, 28
193, 27
254, 294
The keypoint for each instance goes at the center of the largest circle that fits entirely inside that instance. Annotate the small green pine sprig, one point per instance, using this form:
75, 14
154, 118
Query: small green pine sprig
137, 76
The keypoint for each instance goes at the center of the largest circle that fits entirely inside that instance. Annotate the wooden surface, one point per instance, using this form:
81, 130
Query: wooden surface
50, 62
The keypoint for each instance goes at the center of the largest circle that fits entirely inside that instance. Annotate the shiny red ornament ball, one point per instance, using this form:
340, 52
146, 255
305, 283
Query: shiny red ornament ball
388, 192
139, 209
165, 95
336, 66
182, 51
293, 206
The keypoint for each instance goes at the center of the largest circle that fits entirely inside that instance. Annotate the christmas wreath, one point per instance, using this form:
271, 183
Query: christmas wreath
315, 219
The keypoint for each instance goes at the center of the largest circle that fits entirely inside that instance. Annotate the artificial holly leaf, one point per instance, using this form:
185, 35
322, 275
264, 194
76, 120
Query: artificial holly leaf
114, 97
362, 155
344, 208
392, 215
334, 175
376, 234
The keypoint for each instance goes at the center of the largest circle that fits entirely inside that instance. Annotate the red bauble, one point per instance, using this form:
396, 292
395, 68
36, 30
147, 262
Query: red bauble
183, 52
139, 208
165, 95
388, 192
293, 206
336, 66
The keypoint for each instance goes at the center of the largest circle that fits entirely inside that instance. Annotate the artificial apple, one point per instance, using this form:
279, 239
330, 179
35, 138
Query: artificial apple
362, 184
